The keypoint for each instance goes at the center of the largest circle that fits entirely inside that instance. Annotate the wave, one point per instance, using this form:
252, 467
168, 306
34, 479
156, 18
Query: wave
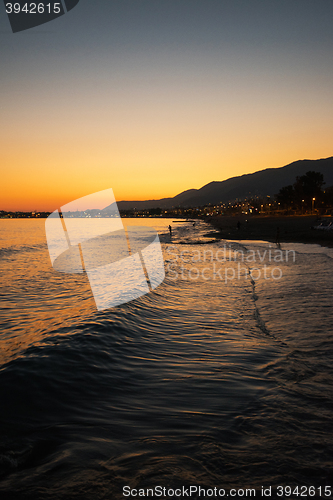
21, 249
196, 381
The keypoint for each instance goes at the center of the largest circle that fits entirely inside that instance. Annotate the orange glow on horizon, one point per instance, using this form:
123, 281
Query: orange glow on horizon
151, 142
43, 191
34, 187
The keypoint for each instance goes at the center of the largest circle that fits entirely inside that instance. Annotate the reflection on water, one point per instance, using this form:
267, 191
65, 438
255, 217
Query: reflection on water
206, 382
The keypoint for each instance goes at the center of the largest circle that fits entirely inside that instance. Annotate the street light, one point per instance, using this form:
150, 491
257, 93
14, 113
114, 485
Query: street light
313, 200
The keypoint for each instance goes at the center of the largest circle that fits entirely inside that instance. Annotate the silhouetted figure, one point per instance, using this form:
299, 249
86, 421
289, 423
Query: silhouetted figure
277, 240
170, 231
238, 225
193, 224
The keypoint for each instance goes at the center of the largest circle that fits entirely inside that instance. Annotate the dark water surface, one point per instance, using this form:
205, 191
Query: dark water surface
200, 382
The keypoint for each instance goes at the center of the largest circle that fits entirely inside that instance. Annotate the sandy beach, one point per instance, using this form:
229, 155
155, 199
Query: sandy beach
291, 229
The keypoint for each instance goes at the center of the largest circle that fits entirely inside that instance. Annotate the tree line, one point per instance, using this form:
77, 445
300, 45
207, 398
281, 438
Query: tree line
306, 193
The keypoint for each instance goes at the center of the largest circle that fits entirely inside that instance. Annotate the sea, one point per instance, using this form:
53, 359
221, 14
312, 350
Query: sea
218, 383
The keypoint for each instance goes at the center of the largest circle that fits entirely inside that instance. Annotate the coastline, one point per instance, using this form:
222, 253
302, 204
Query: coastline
292, 229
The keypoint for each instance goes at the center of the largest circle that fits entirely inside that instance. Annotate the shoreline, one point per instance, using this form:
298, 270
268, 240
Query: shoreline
292, 229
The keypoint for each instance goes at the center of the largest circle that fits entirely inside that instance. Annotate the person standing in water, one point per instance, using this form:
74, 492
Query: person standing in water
170, 230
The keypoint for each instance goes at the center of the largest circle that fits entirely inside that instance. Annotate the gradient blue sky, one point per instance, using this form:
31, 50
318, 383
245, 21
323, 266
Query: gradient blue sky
155, 97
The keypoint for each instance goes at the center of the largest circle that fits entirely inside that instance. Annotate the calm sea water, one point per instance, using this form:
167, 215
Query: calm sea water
221, 377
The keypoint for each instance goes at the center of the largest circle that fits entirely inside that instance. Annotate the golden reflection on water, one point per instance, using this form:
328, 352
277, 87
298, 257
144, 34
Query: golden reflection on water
36, 300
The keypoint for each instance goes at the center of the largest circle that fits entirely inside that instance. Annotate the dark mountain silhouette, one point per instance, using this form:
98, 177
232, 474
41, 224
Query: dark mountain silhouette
266, 182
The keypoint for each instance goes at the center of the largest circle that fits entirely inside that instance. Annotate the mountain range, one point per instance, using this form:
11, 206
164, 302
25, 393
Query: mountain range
263, 183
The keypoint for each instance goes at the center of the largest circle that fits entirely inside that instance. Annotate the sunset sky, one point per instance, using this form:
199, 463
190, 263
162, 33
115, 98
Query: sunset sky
152, 97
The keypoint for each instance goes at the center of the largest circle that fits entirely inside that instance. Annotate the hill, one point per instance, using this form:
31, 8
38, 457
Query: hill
262, 183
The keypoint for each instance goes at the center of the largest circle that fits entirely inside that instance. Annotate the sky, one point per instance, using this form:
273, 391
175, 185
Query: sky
153, 97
